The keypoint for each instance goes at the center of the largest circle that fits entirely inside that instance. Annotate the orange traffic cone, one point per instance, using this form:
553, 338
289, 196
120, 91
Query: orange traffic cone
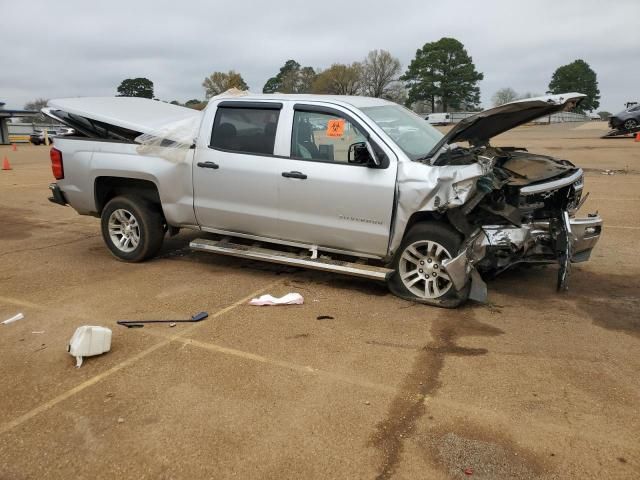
5, 164
14, 147
637, 137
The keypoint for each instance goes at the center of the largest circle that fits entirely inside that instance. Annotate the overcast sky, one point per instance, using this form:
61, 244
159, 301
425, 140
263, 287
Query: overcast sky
85, 48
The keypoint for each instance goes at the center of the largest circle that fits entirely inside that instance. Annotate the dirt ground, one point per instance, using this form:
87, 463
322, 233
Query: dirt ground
534, 384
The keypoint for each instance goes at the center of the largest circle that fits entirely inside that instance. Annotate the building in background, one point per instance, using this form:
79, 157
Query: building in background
5, 115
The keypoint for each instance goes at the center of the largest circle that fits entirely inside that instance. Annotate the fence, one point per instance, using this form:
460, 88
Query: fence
19, 132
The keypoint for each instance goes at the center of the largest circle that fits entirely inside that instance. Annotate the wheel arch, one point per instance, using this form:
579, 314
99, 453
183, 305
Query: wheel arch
108, 187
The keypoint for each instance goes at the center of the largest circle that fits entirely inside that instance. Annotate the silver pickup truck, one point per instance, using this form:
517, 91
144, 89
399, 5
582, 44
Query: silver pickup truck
353, 185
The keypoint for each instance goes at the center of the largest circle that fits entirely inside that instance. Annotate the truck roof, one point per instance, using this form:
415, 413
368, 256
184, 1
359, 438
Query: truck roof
353, 100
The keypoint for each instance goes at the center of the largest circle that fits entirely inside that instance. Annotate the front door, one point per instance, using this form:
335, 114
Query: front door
326, 197
235, 176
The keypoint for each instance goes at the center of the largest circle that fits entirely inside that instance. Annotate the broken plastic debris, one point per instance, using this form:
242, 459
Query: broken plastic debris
288, 299
15, 318
468, 471
88, 341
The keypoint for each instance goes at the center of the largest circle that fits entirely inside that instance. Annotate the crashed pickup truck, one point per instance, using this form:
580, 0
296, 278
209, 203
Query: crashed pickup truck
354, 185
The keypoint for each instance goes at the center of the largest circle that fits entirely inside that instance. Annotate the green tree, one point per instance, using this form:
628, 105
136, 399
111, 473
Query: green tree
504, 95
219, 82
443, 71
195, 104
577, 77
292, 78
35, 105
136, 87
379, 71
604, 115
339, 79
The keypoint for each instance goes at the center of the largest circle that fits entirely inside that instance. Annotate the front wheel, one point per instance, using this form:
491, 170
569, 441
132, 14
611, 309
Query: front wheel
419, 272
630, 124
132, 228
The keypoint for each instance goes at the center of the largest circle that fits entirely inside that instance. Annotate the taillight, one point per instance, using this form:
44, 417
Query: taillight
56, 163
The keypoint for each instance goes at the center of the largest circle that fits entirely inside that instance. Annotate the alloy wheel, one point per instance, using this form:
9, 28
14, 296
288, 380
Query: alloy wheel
124, 230
421, 270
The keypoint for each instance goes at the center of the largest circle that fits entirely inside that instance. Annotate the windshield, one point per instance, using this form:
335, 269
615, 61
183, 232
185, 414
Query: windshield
413, 134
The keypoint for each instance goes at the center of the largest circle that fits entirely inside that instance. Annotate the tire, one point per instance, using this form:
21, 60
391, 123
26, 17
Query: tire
630, 124
422, 250
132, 228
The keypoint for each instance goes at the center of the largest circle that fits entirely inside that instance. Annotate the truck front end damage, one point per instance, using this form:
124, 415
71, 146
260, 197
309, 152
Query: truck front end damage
509, 206
509, 216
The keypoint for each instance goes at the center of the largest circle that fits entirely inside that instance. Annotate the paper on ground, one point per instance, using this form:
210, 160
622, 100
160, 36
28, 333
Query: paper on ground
13, 319
288, 299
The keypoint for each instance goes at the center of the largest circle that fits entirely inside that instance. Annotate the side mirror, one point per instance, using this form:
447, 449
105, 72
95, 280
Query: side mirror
363, 153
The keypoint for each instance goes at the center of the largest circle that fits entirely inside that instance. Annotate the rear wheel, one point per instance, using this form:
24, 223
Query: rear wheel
132, 228
419, 273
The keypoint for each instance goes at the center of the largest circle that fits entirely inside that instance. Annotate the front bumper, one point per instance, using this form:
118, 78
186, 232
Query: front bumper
498, 247
57, 195
532, 242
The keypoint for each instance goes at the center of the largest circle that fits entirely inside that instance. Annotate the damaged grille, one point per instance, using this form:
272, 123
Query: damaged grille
547, 203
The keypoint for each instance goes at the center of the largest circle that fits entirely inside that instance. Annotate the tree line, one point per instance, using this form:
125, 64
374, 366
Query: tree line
441, 77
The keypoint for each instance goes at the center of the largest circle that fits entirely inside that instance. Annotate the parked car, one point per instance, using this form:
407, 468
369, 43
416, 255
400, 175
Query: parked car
376, 192
438, 118
627, 119
37, 137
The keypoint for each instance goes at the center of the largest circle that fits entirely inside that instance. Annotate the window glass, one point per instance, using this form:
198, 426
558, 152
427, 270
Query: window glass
325, 137
413, 135
250, 130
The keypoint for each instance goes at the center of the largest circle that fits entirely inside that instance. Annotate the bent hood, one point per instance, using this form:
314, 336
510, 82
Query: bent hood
140, 115
479, 128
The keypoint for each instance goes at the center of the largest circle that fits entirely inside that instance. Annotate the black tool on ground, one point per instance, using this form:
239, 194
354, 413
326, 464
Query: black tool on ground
198, 317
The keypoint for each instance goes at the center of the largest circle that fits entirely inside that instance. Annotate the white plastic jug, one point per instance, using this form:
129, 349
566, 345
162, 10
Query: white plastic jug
89, 340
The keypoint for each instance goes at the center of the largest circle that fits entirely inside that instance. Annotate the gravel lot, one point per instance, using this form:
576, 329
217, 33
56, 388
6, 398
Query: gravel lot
534, 384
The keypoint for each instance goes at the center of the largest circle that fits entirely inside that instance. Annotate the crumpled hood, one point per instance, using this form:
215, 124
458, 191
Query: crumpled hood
479, 128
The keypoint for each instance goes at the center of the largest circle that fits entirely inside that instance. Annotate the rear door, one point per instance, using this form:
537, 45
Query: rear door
234, 173
327, 199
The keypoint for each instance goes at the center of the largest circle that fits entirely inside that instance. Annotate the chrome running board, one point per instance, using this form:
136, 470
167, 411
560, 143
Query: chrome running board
226, 247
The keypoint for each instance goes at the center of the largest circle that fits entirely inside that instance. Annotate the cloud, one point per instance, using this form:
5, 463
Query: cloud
86, 48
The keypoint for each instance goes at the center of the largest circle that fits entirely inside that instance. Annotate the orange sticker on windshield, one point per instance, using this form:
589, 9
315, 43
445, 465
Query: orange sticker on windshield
335, 127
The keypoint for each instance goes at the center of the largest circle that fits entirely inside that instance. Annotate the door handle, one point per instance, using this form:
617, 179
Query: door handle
208, 165
294, 174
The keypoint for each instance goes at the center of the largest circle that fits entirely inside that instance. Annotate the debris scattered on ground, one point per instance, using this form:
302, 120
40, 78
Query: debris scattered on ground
468, 471
324, 317
608, 172
198, 317
172, 324
88, 341
288, 299
120, 420
38, 332
15, 318
367, 402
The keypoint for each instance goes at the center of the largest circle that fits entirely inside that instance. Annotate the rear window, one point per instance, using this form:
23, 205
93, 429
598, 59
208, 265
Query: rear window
245, 130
